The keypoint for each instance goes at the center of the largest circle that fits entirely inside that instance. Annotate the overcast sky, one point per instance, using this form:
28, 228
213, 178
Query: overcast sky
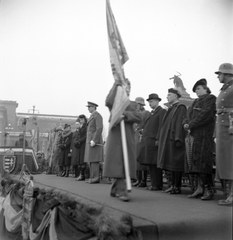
54, 53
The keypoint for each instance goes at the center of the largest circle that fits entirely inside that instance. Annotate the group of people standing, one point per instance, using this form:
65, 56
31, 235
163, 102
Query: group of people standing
81, 150
177, 140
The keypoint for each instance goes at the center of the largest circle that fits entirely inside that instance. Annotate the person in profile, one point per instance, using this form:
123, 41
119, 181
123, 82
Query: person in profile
19, 143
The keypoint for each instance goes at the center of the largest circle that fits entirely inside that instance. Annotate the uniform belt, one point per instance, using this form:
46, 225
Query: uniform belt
224, 110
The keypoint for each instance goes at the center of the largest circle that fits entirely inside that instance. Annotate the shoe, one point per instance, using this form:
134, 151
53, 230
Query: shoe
153, 188
114, 195
175, 190
142, 184
87, 180
209, 193
124, 198
168, 190
80, 178
226, 202
136, 183
91, 181
196, 194
63, 174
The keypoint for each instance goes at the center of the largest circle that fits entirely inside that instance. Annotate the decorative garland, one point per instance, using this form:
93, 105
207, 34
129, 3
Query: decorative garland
54, 215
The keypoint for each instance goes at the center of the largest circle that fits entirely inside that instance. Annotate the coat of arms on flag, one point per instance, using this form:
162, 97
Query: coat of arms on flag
9, 163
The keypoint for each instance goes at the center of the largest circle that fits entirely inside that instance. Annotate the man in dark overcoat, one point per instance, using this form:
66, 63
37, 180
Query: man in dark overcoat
150, 137
141, 169
94, 143
224, 129
171, 150
114, 162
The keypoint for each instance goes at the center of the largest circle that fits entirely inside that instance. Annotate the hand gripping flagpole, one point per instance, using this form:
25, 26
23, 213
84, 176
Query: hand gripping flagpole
125, 156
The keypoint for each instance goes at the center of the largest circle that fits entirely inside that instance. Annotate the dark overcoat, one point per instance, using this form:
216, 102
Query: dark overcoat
170, 156
114, 162
94, 132
224, 144
139, 140
78, 146
64, 159
150, 135
201, 120
57, 151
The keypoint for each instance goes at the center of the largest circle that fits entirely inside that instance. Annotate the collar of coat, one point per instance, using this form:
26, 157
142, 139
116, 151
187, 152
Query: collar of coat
92, 116
226, 85
66, 134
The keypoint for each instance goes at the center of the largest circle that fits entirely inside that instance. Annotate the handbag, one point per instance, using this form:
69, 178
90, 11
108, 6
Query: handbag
189, 148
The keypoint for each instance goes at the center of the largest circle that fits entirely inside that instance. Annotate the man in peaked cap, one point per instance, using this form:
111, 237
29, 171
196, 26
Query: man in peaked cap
94, 143
171, 151
224, 130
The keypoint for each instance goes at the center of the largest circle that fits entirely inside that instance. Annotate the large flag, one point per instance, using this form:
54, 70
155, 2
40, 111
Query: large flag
118, 56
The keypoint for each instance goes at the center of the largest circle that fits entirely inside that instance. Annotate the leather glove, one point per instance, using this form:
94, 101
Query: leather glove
178, 144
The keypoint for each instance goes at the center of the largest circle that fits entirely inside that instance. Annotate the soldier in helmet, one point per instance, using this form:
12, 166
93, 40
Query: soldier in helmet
224, 129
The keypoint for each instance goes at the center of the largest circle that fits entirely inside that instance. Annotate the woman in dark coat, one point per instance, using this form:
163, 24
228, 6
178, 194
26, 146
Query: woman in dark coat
200, 122
75, 151
114, 163
65, 159
78, 148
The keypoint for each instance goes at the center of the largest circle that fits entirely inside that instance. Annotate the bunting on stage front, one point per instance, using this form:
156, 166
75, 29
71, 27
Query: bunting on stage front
118, 57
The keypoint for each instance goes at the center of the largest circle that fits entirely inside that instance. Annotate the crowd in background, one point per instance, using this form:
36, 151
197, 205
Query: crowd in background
166, 143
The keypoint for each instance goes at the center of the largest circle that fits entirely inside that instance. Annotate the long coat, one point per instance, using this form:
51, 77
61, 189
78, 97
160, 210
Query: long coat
171, 157
64, 159
78, 146
150, 135
139, 140
57, 151
224, 144
201, 120
114, 162
94, 132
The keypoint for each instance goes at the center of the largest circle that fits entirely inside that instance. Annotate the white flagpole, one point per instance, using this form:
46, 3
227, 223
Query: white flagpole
125, 156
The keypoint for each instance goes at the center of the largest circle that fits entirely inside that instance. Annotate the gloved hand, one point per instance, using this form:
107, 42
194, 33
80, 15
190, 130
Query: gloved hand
178, 144
157, 143
92, 143
186, 126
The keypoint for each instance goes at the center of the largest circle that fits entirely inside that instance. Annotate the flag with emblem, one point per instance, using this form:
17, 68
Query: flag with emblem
118, 57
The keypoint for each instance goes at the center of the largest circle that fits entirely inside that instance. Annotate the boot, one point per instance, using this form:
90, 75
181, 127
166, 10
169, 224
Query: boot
139, 178
63, 173
143, 183
67, 173
209, 193
60, 171
76, 171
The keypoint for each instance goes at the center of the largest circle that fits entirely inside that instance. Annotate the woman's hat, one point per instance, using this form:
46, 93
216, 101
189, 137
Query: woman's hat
59, 128
82, 116
66, 126
201, 82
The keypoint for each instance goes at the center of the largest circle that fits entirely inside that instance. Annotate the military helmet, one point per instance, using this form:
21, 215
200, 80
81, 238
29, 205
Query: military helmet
226, 68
